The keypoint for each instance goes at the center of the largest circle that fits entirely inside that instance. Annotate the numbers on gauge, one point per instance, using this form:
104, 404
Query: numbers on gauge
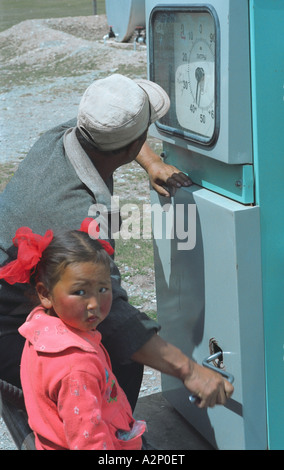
185, 84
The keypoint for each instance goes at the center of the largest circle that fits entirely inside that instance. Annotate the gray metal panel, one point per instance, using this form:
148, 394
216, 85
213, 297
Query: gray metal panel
214, 290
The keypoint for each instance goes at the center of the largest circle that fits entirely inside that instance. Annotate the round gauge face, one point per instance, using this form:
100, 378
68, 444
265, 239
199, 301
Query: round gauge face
184, 64
195, 74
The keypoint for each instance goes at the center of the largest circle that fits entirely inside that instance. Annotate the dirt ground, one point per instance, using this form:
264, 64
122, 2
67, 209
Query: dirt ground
45, 66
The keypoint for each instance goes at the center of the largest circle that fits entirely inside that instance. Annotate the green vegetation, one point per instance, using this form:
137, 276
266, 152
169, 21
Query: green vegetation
15, 11
135, 252
134, 256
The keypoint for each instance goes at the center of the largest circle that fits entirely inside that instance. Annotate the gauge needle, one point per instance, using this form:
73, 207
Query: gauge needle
199, 75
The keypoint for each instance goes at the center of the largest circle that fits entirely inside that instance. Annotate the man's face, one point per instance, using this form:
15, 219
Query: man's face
107, 162
132, 151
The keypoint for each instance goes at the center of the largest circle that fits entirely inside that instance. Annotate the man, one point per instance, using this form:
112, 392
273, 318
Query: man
66, 174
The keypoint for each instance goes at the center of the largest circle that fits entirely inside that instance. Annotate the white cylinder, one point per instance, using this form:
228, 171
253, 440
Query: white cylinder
124, 16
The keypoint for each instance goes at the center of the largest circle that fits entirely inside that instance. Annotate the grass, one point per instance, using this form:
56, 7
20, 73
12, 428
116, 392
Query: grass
134, 256
128, 250
15, 11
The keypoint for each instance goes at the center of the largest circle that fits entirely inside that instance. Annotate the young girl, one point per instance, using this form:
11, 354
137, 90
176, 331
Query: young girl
72, 397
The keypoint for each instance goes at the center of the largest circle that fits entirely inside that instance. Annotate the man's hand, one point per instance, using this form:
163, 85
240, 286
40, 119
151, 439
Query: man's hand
164, 178
209, 387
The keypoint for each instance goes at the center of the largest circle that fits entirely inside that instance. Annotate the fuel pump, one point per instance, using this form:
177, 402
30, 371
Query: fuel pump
218, 245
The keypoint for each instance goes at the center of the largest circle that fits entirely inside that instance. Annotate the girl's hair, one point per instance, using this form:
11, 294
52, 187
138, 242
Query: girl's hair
65, 249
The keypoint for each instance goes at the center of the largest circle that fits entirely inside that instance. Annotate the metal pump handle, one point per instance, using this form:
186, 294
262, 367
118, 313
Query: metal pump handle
206, 363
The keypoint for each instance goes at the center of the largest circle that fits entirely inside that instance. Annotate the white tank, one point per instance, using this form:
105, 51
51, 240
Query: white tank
125, 16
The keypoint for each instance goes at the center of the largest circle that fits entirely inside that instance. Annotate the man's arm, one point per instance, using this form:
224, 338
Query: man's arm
210, 387
160, 173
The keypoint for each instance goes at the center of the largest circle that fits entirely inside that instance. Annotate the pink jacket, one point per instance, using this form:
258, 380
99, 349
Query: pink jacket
72, 397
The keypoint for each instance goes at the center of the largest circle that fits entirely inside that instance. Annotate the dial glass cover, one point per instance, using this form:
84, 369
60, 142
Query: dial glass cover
184, 61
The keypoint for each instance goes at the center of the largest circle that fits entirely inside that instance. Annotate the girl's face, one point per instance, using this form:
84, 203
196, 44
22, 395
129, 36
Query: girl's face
82, 297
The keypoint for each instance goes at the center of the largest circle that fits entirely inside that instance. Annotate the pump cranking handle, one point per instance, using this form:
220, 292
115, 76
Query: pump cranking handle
206, 363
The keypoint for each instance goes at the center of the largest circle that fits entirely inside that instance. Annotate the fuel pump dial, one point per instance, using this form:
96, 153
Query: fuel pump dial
187, 42
195, 89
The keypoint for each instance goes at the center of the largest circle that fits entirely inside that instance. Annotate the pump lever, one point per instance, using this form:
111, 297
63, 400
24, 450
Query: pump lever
206, 363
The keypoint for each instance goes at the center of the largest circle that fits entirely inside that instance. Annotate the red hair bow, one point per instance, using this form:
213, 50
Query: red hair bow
30, 247
91, 227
